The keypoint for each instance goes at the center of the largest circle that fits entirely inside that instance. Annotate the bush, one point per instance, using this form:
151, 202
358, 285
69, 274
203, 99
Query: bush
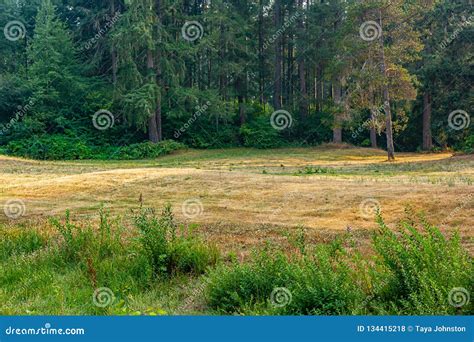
422, 267
260, 134
60, 147
170, 251
320, 282
147, 150
50, 147
416, 271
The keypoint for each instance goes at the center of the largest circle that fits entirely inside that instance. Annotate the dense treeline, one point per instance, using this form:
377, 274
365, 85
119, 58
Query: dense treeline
89, 76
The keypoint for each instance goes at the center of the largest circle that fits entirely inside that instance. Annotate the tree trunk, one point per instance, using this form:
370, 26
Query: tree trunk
386, 96
427, 139
278, 58
153, 134
337, 129
113, 51
373, 133
261, 60
303, 103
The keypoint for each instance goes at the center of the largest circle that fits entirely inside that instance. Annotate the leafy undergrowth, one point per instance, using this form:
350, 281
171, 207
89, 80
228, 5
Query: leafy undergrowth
413, 270
99, 270
158, 267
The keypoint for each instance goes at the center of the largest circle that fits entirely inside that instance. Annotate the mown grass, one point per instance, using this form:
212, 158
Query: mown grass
156, 266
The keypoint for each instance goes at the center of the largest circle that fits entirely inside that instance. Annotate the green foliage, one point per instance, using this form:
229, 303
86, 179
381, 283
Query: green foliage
60, 147
19, 241
50, 147
422, 267
170, 251
415, 269
260, 134
147, 150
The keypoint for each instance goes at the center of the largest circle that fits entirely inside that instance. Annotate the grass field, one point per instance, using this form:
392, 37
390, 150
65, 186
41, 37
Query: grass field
236, 199
248, 195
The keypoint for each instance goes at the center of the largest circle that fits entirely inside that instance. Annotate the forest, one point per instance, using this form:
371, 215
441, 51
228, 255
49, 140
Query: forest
84, 78
236, 157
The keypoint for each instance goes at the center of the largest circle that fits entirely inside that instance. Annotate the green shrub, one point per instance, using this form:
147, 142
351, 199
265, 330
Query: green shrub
422, 267
170, 251
416, 271
147, 150
260, 134
320, 282
50, 147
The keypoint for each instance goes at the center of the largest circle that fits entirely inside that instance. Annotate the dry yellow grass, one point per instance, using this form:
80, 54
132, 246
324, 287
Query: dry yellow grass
248, 196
